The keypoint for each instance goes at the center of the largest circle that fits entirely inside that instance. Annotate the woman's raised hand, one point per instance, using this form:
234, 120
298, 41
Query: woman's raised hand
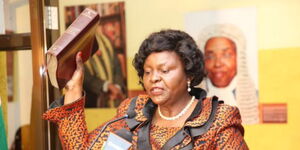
74, 88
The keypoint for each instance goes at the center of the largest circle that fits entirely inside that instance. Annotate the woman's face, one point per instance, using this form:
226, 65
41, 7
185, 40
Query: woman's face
164, 77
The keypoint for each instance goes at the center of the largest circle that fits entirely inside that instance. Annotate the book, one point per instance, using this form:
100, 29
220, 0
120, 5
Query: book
61, 56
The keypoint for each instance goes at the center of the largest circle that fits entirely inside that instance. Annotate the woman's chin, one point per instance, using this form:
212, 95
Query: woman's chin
158, 99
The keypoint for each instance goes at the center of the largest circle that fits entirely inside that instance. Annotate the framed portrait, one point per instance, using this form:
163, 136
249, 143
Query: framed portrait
228, 41
105, 80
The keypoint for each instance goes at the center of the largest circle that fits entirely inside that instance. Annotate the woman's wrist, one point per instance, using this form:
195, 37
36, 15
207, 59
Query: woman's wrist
72, 95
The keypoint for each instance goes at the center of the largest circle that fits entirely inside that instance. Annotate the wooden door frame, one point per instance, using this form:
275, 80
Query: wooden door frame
41, 136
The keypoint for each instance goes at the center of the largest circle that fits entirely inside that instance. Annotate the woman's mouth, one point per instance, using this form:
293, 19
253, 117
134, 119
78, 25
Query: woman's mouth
155, 91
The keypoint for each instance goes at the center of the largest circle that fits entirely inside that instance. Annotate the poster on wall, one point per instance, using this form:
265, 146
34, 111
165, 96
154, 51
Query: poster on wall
105, 82
228, 39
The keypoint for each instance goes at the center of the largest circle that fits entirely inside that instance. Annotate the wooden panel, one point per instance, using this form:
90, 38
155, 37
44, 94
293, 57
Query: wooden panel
38, 127
19, 41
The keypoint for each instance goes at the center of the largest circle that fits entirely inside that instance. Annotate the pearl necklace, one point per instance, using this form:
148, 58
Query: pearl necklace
178, 115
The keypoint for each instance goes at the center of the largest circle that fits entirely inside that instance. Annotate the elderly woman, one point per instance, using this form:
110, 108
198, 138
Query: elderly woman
173, 114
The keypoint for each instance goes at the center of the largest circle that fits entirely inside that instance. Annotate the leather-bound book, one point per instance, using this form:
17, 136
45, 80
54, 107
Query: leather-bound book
79, 36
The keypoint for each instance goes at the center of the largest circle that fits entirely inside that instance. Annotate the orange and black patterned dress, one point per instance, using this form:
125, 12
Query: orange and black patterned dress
225, 131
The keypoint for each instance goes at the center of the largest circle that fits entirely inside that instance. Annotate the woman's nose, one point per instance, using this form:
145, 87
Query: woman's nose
155, 77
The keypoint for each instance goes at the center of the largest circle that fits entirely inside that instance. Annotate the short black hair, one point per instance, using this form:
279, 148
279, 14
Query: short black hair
176, 41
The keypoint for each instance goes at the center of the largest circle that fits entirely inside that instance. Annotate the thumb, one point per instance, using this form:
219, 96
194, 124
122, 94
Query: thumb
79, 63
78, 74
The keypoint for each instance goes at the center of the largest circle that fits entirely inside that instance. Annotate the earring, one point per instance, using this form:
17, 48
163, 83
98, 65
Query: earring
189, 86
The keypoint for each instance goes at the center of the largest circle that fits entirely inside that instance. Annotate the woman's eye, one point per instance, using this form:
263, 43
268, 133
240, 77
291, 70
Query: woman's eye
146, 72
165, 71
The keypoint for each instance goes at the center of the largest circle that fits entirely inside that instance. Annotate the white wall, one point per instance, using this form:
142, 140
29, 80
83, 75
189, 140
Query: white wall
19, 109
1, 17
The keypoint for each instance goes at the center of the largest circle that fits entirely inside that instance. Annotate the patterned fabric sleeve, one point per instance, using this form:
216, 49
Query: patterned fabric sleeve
230, 134
71, 124
56, 114
72, 128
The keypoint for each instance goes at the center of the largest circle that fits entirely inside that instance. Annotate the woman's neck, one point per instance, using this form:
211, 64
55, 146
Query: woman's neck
175, 105
171, 110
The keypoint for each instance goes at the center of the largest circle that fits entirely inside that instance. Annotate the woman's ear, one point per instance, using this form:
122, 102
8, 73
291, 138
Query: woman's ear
190, 79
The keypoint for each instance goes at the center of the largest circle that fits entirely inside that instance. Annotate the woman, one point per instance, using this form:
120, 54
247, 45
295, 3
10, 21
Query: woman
173, 114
